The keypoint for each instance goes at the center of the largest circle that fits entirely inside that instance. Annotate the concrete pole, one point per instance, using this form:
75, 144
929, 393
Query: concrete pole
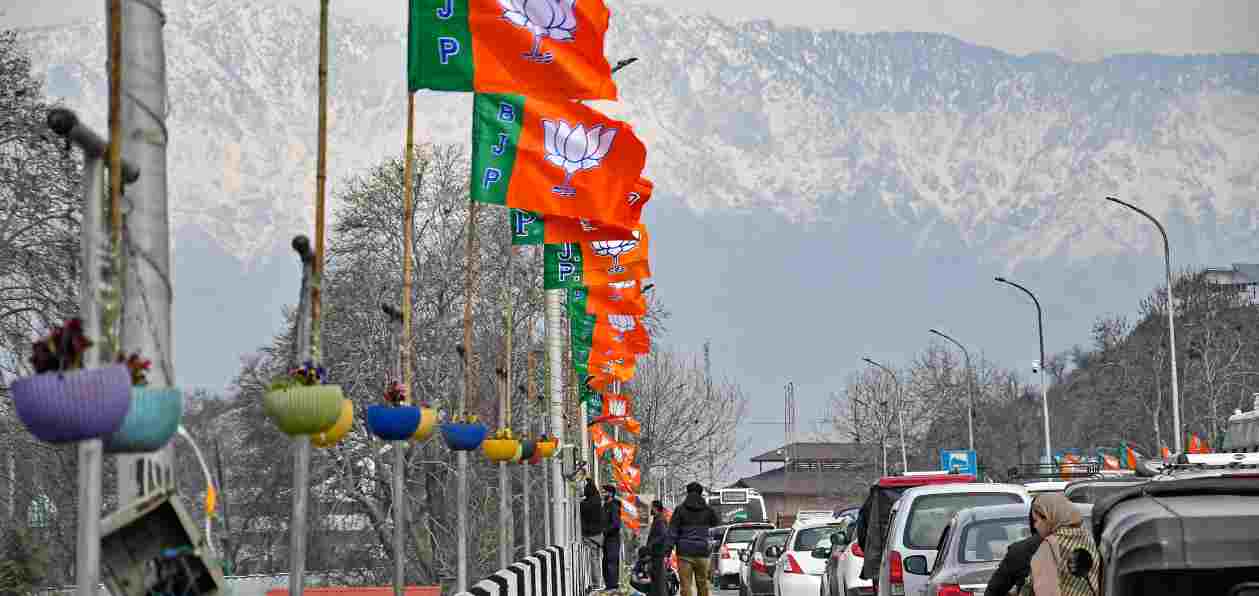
147, 291
531, 363
87, 568
555, 357
301, 443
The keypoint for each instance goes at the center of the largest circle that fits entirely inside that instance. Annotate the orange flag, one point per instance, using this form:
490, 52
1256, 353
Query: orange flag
614, 407
620, 334
1166, 453
600, 439
560, 230
603, 372
555, 157
1194, 445
609, 261
630, 475
623, 454
620, 298
1132, 458
629, 511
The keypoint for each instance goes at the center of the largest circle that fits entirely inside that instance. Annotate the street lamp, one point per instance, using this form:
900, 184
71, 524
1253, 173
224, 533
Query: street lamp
1040, 331
970, 406
1171, 319
900, 415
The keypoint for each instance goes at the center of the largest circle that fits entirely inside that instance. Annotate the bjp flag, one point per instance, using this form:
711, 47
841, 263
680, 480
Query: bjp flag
617, 298
530, 228
620, 334
600, 439
630, 475
544, 48
614, 406
606, 372
554, 157
597, 263
623, 454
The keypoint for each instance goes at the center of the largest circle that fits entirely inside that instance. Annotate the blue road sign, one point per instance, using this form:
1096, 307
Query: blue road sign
962, 461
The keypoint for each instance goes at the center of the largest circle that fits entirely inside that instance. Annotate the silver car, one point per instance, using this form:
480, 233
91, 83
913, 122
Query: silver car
973, 544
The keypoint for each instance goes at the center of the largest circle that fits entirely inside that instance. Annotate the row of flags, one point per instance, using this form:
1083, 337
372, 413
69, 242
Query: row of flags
570, 176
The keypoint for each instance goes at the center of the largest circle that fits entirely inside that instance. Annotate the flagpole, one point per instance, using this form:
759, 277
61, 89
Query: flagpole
504, 485
555, 357
530, 364
404, 350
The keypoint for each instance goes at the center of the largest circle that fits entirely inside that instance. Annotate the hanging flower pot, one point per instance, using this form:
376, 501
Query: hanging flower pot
546, 447
304, 410
502, 447
334, 434
527, 449
393, 423
428, 424
151, 421
300, 403
463, 435
73, 405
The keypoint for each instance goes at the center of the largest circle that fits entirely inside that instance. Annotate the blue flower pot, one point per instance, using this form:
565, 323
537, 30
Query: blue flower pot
63, 407
464, 437
150, 423
393, 423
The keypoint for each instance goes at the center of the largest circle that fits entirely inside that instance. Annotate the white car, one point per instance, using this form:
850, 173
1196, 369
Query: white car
846, 577
729, 544
799, 572
1045, 487
918, 520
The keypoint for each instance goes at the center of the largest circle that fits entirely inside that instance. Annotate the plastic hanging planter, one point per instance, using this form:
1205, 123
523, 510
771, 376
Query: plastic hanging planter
499, 450
546, 448
463, 436
304, 410
62, 407
393, 423
151, 421
527, 449
333, 435
428, 424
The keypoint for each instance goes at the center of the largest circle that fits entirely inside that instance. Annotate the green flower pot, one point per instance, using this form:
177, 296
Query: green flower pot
151, 421
304, 410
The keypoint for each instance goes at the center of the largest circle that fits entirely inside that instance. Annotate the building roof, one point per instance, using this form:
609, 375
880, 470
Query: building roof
1239, 274
814, 452
803, 482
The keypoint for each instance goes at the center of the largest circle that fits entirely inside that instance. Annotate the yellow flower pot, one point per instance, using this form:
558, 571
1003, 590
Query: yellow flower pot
500, 449
333, 435
428, 424
547, 448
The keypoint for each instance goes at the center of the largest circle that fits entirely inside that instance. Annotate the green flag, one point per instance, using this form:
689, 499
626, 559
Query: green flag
561, 266
526, 227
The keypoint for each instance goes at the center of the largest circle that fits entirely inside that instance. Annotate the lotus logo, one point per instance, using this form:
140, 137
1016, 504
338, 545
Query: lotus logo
542, 18
621, 323
617, 407
614, 294
614, 249
574, 149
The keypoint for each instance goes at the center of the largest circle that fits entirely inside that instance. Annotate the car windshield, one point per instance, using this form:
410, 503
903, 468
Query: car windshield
989, 539
810, 538
774, 539
742, 534
930, 513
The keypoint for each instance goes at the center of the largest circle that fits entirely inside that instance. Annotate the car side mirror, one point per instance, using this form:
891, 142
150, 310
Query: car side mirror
774, 552
822, 552
743, 556
1244, 589
916, 565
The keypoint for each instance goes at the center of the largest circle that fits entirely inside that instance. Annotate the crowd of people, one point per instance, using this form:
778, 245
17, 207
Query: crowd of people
684, 531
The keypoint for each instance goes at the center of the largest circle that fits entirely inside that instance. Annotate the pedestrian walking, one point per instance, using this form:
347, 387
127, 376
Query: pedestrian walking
611, 539
658, 548
688, 531
1067, 561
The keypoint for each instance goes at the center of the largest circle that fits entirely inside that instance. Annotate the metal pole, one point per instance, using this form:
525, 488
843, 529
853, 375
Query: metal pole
399, 517
970, 381
301, 443
555, 356
1171, 318
87, 567
900, 408
147, 291
531, 364
1044, 389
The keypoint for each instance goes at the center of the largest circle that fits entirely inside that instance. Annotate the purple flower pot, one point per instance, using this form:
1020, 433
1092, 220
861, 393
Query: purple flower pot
62, 407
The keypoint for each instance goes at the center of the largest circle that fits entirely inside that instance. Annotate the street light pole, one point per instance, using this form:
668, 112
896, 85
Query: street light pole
970, 377
1040, 332
900, 414
1171, 318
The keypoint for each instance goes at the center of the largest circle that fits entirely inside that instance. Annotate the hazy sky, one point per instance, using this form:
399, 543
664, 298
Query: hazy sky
1074, 28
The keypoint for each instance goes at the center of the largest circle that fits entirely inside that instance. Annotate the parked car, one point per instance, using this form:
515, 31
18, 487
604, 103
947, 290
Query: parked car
919, 520
799, 571
843, 566
973, 545
1092, 490
729, 542
849, 512
756, 575
1040, 487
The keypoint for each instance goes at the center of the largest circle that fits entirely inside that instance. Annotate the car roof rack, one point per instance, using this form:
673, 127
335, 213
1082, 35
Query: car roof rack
1050, 472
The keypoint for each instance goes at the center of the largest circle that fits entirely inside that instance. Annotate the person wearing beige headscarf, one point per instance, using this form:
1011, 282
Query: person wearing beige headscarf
1059, 522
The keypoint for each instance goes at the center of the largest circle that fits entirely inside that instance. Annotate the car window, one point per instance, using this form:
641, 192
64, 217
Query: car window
742, 534
774, 539
944, 541
930, 513
810, 538
988, 540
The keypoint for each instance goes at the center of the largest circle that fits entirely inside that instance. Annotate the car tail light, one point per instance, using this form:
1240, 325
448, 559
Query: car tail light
758, 563
952, 590
792, 565
725, 552
856, 550
896, 572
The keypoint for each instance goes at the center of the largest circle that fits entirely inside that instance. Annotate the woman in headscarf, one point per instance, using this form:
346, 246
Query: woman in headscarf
1060, 567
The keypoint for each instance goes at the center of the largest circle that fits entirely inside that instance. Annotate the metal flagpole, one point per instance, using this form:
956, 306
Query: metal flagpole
555, 360
405, 347
301, 443
469, 388
88, 554
504, 396
530, 365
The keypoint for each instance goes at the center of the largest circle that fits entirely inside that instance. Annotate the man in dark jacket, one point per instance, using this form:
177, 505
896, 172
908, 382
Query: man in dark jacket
1015, 566
611, 539
689, 534
593, 523
658, 545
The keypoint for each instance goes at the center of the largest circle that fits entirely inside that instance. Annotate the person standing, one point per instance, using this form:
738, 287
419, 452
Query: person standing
611, 539
688, 531
1067, 561
593, 523
658, 546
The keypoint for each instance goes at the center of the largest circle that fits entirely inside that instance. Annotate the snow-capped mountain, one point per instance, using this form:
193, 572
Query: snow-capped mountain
1011, 154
